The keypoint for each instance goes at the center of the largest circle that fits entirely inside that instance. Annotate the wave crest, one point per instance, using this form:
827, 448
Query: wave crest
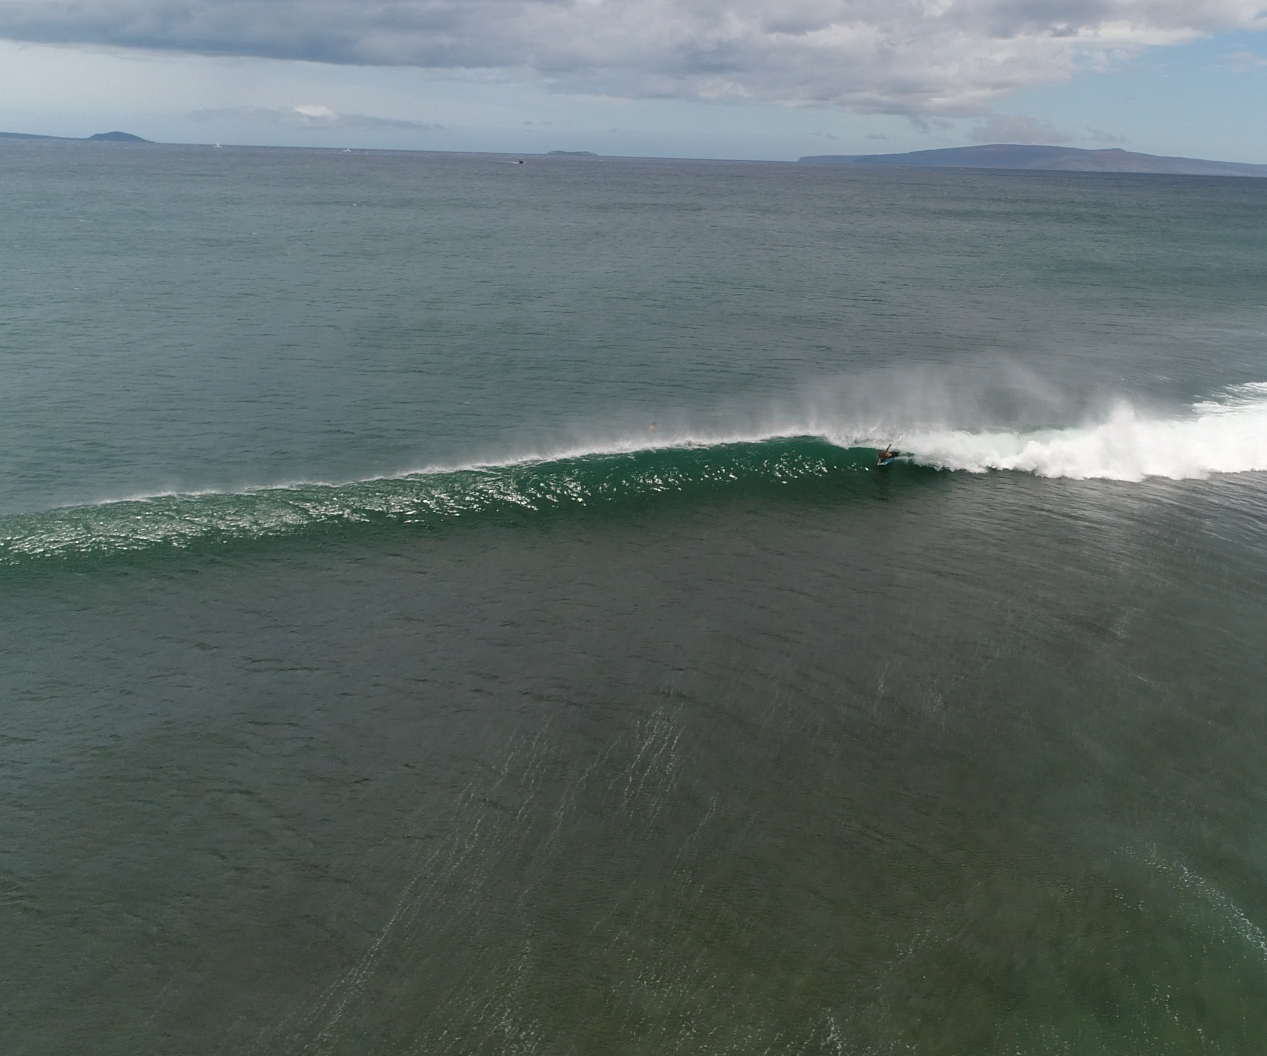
1227, 435
425, 498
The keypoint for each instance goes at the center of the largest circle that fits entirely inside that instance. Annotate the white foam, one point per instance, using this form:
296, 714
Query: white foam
1226, 435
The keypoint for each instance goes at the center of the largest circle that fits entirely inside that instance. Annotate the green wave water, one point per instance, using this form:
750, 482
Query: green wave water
726, 744
427, 498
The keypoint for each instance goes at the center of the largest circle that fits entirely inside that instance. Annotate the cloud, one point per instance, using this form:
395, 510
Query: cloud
1016, 128
1243, 61
310, 116
950, 58
1095, 135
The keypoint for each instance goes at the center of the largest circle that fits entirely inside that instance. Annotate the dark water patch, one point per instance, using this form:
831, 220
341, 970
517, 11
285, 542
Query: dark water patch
732, 749
777, 780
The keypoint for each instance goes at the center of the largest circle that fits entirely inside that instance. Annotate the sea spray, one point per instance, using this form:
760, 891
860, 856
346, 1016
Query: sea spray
1224, 435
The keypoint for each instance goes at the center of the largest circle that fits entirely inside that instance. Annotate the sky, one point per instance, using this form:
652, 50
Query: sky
754, 79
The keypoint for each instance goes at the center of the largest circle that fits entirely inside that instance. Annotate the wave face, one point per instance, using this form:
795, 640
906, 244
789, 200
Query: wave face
1223, 435
1226, 435
428, 498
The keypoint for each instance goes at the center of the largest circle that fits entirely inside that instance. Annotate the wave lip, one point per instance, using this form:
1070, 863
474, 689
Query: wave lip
1225, 435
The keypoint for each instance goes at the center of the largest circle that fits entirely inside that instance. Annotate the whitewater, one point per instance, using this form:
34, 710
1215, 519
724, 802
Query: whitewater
1224, 434
453, 606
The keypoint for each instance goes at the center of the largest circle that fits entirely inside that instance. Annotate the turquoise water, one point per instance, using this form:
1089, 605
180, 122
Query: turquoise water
451, 606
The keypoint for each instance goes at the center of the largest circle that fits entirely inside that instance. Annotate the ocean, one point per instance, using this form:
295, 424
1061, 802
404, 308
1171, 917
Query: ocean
451, 606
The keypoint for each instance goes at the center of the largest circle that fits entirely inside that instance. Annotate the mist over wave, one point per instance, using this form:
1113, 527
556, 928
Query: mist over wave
935, 424
1223, 435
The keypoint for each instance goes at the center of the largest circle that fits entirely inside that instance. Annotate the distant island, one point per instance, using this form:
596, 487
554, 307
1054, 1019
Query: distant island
100, 137
1014, 156
1044, 159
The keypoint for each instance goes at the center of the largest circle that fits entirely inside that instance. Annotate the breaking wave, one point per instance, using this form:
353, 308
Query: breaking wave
1226, 435
429, 498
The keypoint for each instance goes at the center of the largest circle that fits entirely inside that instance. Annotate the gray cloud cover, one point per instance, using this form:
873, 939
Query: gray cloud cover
311, 116
1016, 128
918, 57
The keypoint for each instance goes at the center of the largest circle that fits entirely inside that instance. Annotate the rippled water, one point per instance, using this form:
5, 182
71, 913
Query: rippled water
451, 606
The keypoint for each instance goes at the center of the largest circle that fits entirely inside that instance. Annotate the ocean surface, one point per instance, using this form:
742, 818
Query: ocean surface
450, 606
